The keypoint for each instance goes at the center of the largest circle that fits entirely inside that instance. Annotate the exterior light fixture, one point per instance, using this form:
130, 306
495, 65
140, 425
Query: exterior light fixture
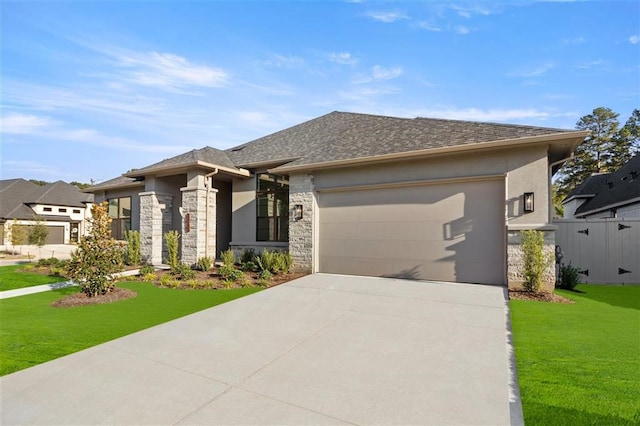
297, 211
528, 202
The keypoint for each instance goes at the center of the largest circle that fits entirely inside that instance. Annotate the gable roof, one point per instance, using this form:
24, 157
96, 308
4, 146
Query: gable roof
609, 190
341, 136
206, 157
118, 182
18, 194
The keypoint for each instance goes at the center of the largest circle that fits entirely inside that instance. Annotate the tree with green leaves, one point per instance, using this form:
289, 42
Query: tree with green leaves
606, 149
97, 257
18, 234
80, 185
38, 234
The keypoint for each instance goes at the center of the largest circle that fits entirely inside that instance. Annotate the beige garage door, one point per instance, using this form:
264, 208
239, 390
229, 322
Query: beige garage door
55, 235
447, 232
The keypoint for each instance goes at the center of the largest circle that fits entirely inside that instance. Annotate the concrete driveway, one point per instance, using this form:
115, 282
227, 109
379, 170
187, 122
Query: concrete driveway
324, 349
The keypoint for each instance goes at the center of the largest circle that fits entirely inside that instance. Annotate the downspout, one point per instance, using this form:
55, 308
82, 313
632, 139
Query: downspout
208, 183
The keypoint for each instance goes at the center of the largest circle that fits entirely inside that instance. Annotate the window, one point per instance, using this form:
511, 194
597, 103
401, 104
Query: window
120, 214
76, 211
272, 200
62, 210
46, 209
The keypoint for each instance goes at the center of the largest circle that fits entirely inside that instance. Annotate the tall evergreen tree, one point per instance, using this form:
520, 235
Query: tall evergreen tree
597, 154
630, 133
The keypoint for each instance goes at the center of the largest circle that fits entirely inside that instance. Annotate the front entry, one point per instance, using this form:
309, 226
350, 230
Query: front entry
74, 232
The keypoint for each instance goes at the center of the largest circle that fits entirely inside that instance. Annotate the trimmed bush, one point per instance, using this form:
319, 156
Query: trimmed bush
248, 255
230, 273
132, 255
569, 277
183, 272
147, 269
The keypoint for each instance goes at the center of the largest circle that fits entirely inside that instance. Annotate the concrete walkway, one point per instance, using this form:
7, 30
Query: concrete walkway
323, 349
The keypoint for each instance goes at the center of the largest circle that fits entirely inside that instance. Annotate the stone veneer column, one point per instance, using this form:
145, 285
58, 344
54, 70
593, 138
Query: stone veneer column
301, 191
515, 260
200, 239
155, 220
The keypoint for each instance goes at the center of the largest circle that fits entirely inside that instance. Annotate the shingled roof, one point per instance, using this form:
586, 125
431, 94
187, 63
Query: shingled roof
206, 155
345, 136
609, 190
18, 194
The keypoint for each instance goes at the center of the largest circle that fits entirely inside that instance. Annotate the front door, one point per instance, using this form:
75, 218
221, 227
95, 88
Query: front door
75, 230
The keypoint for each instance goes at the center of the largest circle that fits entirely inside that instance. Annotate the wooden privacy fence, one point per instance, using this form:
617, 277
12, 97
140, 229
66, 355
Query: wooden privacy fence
606, 251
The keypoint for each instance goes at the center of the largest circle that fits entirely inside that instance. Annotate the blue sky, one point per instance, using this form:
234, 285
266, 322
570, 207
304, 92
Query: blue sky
91, 89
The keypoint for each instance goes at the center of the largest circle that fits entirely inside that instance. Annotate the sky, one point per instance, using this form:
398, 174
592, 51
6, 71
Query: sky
92, 89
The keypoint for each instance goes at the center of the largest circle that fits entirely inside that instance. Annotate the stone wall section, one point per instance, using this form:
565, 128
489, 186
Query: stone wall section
515, 261
301, 191
156, 215
199, 237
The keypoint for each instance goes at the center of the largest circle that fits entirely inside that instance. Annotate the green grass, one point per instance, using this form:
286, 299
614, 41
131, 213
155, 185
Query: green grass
34, 332
10, 279
580, 364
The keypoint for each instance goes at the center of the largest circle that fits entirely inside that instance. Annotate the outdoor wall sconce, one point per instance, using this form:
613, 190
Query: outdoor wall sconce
297, 211
528, 202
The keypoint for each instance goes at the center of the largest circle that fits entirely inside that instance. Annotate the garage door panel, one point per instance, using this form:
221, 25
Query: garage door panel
447, 232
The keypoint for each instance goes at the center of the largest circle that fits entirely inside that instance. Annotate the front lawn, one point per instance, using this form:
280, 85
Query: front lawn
579, 364
11, 278
34, 332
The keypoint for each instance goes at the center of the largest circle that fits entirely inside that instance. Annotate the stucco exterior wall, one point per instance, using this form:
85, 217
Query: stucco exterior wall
134, 193
243, 211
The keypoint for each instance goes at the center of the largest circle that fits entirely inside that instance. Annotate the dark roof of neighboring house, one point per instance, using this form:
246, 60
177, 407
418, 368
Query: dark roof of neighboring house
17, 194
342, 136
207, 155
118, 182
608, 190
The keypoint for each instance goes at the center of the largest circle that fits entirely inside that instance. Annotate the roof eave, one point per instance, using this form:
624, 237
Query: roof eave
609, 207
185, 166
576, 137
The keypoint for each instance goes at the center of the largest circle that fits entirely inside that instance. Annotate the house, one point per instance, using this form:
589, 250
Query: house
63, 209
361, 194
607, 195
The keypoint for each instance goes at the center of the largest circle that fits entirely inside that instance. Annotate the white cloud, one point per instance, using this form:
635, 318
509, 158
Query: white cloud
634, 39
379, 73
344, 58
429, 26
535, 71
468, 12
387, 17
366, 93
573, 41
590, 64
283, 61
19, 124
461, 29
24, 168
491, 115
167, 70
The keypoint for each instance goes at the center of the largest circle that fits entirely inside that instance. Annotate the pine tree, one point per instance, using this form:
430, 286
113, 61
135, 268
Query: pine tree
599, 152
630, 133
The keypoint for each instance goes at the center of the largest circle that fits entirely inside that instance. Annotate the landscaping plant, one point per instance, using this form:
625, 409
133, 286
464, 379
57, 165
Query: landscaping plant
228, 257
535, 260
38, 233
97, 257
133, 248
18, 234
204, 264
172, 238
569, 277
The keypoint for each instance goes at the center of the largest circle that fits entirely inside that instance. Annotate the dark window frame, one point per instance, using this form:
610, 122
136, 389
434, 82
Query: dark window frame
120, 222
272, 208
62, 210
47, 209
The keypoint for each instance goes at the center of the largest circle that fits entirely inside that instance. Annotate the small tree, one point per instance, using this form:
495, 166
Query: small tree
133, 248
38, 234
18, 234
97, 257
535, 261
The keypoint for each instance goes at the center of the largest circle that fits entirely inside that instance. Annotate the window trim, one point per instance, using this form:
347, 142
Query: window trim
120, 221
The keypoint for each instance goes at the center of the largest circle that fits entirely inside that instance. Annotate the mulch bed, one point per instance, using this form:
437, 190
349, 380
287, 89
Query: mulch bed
212, 280
81, 299
538, 297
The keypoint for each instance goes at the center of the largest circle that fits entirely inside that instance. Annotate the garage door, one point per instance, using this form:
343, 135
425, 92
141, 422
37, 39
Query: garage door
447, 231
55, 235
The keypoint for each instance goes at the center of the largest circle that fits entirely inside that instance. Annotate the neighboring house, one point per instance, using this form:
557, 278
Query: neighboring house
359, 194
63, 209
607, 195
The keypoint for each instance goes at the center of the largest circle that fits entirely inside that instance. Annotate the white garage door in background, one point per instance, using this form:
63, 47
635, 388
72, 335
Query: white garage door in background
447, 231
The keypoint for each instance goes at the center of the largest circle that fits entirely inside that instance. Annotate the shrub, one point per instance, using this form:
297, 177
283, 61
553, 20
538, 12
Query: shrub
246, 283
132, 255
263, 283
183, 272
147, 269
274, 261
172, 238
248, 255
282, 262
230, 273
228, 257
535, 261
569, 277
149, 277
265, 275
97, 257
204, 263
249, 266
228, 284
266, 260
48, 262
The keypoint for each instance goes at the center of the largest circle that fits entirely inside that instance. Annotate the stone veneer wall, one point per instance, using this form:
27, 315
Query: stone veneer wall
301, 231
200, 240
515, 261
156, 216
